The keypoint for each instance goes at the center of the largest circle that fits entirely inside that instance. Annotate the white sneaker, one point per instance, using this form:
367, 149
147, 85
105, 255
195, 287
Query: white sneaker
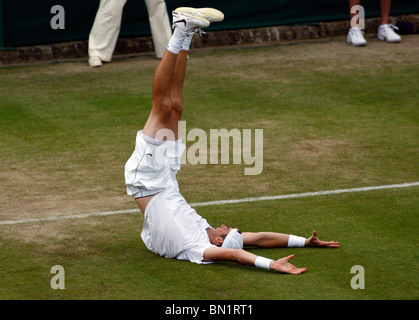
386, 33
356, 37
95, 62
212, 15
189, 23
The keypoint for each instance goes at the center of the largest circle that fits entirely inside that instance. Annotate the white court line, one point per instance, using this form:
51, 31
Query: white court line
219, 202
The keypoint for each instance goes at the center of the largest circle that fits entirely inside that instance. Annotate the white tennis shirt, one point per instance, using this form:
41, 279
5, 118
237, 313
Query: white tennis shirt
173, 229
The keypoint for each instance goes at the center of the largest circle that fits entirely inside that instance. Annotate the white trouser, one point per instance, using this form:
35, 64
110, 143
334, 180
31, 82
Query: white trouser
105, 30
161, 30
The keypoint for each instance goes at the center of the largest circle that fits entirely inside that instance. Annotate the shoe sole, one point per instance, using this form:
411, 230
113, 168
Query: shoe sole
95, 63
385, 39
356, 45
203, 22
210, 14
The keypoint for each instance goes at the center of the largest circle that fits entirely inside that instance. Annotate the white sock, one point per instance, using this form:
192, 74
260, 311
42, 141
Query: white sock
187, 42
296, 242
176, 41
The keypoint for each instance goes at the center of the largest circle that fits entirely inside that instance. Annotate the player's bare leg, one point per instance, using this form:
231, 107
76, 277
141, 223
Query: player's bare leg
167, 94
169, 77
176, 91
161, 111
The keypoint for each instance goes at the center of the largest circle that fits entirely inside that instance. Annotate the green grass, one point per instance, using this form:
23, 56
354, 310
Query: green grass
333, 117
107, 260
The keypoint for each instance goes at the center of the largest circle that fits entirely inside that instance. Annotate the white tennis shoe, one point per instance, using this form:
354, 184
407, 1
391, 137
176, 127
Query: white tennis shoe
95, 62
188, 23
386, 33
210, 14
356, 37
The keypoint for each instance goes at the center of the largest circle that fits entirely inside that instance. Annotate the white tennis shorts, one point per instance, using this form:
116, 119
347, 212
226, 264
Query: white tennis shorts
152, 166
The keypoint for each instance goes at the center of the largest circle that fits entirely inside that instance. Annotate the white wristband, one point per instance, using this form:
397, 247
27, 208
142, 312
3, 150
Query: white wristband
262, 262
296, 242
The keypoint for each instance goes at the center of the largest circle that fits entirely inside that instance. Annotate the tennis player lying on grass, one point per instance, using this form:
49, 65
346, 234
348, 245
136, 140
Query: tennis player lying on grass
171, 227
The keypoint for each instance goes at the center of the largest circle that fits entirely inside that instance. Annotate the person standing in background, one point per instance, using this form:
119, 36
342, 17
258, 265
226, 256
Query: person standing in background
105, 30
386, 33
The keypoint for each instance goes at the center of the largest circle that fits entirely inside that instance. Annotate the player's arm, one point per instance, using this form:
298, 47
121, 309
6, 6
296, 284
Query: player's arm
243, 257
281, 240
265, 239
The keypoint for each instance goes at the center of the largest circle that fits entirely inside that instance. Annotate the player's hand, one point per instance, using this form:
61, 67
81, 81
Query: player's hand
283, 266
313, 241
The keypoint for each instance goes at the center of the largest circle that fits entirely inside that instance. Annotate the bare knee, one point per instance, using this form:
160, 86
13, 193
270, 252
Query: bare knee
177, 106
163, 107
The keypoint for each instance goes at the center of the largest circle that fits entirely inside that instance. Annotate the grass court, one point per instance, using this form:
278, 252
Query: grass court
333, 117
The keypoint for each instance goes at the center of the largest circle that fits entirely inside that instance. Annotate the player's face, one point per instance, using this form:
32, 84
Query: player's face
223, 230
